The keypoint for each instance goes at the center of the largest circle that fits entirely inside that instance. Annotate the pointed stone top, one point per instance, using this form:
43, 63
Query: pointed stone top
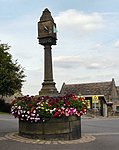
46, 16
46, 9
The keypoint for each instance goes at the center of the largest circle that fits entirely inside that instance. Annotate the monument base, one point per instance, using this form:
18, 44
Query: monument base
65, 128
48, 89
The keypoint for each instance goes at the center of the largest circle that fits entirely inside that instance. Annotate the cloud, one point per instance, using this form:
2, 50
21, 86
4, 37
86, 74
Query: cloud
77, 21
34, 78
77, 57
109, 13
67, 61
116, 44
71, 62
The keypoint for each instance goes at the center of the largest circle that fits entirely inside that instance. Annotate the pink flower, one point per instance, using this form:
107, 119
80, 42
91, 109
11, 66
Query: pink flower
71, 111
78, 114
62, 112
67, 114
62, 108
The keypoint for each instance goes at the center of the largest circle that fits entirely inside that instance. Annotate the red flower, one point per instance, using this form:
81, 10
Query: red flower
51, 102
74, 98
56, 114
56, 109
67, 103
82, 99
49, 105
84, 110
30, 105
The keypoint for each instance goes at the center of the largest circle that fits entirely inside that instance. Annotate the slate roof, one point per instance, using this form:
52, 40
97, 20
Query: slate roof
98, 88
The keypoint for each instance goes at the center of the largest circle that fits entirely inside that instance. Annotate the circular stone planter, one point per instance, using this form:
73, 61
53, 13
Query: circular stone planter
64, 128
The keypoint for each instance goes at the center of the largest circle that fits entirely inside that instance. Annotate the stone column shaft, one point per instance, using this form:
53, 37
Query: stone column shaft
48, 86
48, 71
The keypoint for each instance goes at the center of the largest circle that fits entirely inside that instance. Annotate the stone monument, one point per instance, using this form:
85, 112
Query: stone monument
47, 37
53, 128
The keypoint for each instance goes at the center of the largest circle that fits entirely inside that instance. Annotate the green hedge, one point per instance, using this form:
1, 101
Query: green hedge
4, 107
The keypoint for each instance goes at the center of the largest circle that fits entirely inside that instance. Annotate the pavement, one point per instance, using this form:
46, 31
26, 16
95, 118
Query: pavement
97, 133
15, 136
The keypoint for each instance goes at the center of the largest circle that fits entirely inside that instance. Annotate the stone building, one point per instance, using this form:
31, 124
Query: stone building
116, 102
101, 95
9, 99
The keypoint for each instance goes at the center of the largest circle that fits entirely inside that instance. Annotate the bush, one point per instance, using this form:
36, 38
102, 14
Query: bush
4, 107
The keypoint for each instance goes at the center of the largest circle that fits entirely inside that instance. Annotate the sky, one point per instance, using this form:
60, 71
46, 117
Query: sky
87, 48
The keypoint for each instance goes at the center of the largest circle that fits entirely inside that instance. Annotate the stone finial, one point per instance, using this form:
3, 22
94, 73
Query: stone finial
46, 16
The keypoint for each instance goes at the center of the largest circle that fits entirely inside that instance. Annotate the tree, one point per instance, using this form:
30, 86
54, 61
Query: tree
11, 73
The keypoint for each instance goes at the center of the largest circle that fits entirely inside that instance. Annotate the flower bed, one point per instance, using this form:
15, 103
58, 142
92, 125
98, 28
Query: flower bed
40, 109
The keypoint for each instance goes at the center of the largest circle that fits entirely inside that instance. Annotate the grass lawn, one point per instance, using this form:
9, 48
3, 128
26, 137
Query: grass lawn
3, 112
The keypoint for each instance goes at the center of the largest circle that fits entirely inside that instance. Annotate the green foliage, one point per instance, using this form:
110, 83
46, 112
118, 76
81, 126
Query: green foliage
11, 73
4, 107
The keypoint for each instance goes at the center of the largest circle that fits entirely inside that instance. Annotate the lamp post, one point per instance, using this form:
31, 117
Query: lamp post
47, 37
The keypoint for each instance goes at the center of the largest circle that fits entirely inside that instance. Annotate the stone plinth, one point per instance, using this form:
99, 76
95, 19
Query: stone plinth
53, 129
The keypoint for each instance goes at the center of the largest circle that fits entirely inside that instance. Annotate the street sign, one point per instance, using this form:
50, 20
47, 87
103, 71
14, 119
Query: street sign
95, 99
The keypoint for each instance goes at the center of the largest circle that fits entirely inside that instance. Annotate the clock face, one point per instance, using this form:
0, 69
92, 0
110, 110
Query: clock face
46, 29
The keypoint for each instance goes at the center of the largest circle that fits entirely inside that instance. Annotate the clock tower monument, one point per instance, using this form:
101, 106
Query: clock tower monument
47, 37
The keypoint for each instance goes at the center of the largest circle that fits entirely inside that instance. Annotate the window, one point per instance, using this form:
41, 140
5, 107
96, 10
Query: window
117, 108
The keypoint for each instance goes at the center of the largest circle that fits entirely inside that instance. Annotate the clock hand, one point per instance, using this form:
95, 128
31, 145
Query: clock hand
46, 28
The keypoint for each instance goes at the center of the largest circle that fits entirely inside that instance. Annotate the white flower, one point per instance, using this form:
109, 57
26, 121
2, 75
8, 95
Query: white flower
47, 109
19, 112
34, 111
28, 112
32, 114
52, 110
19, 107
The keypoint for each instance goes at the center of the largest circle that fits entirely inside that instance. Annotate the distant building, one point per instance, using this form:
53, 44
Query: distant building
99, 94
9, 99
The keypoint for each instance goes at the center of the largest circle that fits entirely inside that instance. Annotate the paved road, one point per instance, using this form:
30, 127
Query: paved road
102, 125
106, 132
